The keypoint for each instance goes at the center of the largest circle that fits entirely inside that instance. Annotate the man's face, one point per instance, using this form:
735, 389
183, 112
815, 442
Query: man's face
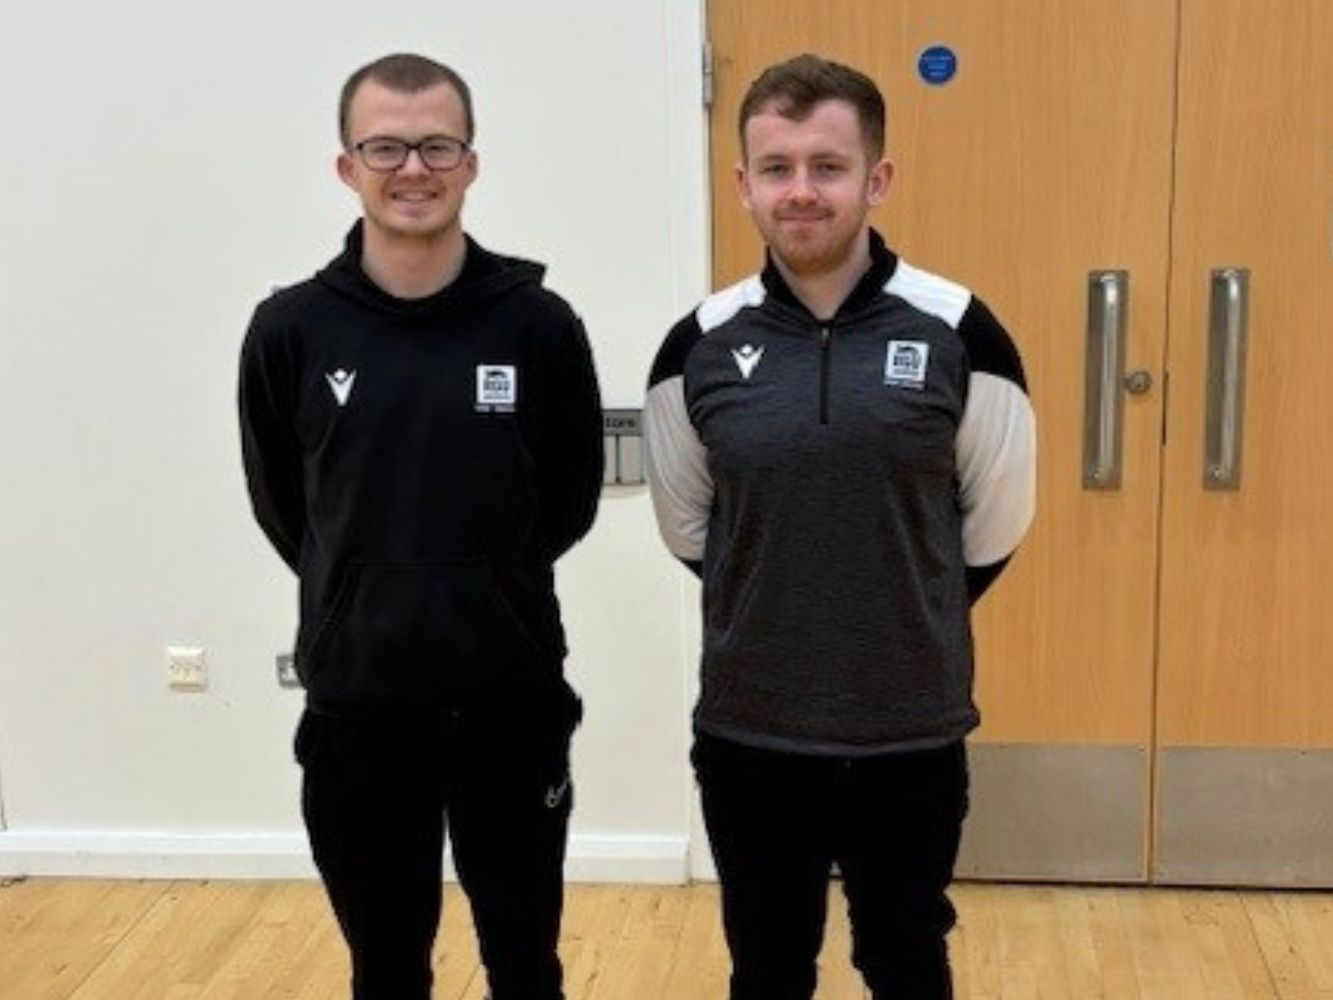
809, 185
412, 202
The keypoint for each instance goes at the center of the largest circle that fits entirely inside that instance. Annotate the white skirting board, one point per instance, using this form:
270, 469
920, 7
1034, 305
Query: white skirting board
662, 860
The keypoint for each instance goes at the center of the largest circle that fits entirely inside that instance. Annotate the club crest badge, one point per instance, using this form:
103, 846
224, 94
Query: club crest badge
497, 388
906, 364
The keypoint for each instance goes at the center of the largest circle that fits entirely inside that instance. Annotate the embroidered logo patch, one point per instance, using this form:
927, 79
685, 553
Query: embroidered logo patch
497, 388
341, 384
747, 358
906, 363
556, 793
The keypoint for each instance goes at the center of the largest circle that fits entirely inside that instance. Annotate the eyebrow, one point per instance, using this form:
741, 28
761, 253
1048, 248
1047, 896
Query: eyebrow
823, 154
424, 138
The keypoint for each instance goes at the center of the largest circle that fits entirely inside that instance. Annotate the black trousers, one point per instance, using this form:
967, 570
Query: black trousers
777, 823
377, 797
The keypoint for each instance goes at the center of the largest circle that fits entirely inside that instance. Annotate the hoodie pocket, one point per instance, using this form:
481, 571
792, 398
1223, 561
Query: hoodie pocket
400, 631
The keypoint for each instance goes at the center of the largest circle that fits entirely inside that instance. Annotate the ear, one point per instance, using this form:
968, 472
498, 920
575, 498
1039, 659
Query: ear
743, 185
877, 184
470, 167
346, 168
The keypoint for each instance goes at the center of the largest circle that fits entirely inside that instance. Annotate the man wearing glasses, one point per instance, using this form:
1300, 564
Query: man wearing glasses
422, 438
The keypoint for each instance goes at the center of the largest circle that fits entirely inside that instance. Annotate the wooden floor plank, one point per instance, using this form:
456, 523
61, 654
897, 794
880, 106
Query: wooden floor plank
98, 940
974, 944
1166, 965
701, 968
1232, 963
838, 980
1295, 934
289, 949
639, 963
180, 944
457, 965
597, 924
1077, 942
54, 934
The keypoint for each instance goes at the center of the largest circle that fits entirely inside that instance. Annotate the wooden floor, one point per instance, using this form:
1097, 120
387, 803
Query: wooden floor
95, 940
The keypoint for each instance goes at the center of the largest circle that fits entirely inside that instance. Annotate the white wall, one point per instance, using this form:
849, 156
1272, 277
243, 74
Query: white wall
165, 162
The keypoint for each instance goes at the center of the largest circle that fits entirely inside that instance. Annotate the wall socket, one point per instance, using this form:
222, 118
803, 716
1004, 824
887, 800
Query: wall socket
287, 671
187, 668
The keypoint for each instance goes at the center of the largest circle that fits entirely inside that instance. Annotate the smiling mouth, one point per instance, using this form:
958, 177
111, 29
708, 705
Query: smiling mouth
413, 197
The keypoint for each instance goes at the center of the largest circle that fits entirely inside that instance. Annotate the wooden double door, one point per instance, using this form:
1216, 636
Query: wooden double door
1143, 192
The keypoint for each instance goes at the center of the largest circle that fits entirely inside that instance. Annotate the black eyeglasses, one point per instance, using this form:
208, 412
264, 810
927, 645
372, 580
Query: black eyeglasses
386, 154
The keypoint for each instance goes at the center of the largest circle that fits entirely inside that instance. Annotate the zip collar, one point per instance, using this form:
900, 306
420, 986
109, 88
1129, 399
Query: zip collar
883, 263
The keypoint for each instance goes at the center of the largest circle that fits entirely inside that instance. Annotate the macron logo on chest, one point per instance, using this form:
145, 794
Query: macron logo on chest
747, 359
341, 384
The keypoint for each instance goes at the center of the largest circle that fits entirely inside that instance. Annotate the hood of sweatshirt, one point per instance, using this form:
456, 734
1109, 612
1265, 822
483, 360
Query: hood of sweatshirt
485, 275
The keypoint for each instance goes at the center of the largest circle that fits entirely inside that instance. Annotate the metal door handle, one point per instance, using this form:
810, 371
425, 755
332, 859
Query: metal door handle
1228, 330
1103, 410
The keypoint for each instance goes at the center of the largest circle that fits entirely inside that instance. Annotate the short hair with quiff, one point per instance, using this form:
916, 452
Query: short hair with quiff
406, 74
794, 87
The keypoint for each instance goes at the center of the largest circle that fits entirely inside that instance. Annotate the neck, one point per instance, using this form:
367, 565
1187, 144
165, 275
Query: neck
823, 289
413, 267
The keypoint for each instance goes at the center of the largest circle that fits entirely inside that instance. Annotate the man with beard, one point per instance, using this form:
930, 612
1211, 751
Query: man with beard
843, 447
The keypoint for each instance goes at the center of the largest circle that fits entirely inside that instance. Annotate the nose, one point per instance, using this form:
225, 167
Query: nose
414, 164
802, 186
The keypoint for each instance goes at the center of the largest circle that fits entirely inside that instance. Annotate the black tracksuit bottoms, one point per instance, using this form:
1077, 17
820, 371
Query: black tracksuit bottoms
378, 796
777, 823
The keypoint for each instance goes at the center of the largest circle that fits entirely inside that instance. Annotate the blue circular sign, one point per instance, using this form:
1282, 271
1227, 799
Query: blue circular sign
937, 65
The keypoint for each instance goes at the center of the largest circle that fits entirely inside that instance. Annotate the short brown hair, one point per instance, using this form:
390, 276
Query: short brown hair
794, 87
406, 74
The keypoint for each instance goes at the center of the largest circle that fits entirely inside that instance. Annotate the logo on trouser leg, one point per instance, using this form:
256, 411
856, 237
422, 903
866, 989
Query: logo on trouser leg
556, 793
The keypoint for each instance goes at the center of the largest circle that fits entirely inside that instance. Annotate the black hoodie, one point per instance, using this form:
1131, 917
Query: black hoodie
421, 464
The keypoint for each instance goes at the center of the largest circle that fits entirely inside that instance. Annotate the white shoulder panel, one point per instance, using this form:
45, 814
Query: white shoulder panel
721, 306
929, 292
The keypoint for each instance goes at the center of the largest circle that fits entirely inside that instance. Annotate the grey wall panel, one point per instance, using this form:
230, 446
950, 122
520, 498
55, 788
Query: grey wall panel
1064, 813
1247, 816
